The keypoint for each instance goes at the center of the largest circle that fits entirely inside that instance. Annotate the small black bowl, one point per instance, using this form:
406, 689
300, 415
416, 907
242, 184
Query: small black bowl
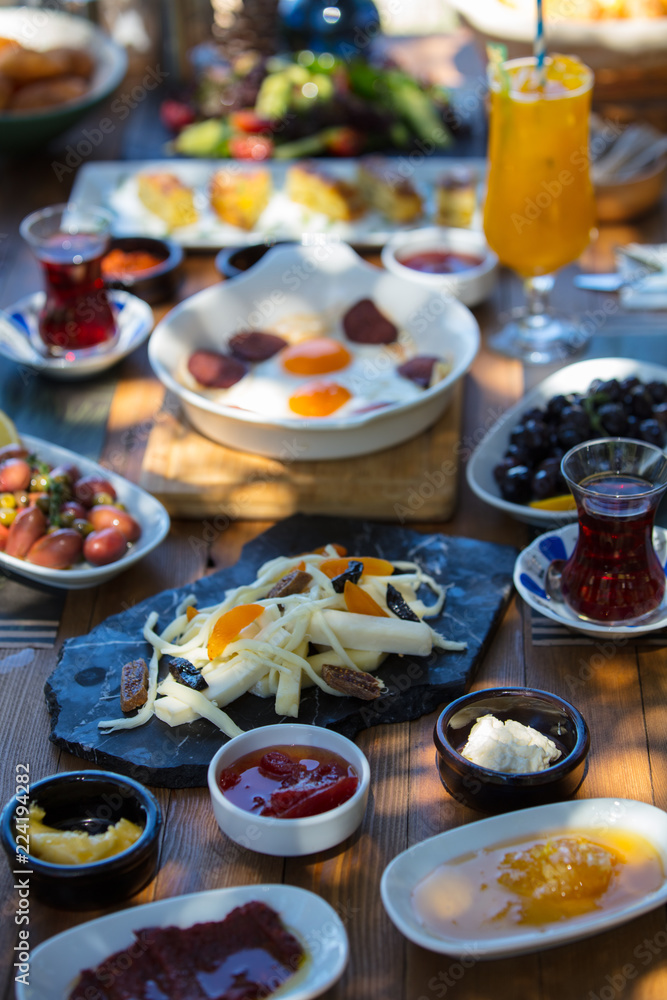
496, 791
232, 261
155, 284
89, 801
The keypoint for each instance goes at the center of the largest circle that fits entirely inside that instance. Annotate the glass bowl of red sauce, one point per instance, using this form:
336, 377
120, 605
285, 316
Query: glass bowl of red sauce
289, 789
456, 262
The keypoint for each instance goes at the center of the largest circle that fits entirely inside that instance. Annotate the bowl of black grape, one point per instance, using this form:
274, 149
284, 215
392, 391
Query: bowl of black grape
516, 467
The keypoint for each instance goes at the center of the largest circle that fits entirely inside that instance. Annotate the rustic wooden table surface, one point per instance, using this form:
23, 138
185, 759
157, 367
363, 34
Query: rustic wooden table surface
620, 689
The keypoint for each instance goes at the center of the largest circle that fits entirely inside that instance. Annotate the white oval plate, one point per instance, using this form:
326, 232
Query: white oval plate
530, 572
55, 963
133, 316
148, 511
407, 869
573, 378
325, 280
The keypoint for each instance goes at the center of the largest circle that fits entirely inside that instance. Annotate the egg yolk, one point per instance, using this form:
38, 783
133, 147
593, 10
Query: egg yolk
318, 399
315, 357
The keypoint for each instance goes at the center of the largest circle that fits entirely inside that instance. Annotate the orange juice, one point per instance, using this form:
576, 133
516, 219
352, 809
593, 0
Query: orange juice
539, 208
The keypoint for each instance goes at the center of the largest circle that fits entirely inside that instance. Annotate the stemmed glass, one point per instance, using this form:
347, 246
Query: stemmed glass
539, 209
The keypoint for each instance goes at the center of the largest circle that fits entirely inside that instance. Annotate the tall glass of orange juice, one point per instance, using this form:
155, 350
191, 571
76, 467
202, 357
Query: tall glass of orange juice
539, 209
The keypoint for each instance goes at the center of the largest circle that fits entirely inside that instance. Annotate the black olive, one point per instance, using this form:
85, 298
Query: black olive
556, 405
613, 419
575, 416
500, 470
632, 428
651, 431
658, 391
660, 414
516, 488
611, 389
642, 404
628, 383
519, 454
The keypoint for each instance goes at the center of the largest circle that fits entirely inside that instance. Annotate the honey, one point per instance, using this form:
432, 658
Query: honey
535, 882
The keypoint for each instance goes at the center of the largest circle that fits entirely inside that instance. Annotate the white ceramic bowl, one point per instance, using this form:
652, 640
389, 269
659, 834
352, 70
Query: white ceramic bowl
606, 43
289, 837
324, 280
46, 29
56, 962
572, 378
595, 815
148, 511
471, 286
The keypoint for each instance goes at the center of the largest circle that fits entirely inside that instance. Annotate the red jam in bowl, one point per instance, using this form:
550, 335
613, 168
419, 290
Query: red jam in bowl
289, 782
440, 261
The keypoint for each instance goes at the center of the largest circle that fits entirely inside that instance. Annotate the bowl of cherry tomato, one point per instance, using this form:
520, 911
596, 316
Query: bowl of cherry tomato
70, 523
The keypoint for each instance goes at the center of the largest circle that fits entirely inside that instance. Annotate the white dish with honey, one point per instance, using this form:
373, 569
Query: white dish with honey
481, 889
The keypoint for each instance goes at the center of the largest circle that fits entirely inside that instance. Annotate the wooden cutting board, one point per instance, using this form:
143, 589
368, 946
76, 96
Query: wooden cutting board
195, 477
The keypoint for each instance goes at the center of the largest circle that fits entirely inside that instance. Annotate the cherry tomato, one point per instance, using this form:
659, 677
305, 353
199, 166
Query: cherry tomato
15, 474
13, 451
105, 516
87, 488
57, 550
29, 525
105, 546
251, 147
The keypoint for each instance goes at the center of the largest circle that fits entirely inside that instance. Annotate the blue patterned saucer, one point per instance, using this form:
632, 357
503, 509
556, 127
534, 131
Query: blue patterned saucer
134, 319
530, 571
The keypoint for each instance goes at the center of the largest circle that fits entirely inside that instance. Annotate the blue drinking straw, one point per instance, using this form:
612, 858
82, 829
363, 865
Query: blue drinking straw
539, 46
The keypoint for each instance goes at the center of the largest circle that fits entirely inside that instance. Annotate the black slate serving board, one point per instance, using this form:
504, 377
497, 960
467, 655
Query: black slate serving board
85, 685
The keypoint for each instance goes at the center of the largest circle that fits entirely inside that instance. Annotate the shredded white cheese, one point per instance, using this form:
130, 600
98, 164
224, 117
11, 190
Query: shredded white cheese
270, 657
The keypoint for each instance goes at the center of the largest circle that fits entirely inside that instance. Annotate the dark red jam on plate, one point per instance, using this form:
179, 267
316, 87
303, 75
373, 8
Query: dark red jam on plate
247, 955
440, 261
289, 781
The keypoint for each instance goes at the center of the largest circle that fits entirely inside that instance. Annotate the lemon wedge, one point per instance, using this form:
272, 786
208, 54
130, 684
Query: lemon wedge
565, 501
8, 432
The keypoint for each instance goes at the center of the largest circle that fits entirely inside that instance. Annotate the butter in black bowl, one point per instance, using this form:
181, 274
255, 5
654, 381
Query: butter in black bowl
83, 814
144, 266
554, 765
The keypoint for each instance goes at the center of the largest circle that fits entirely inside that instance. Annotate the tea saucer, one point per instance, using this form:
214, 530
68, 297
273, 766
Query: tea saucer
20, 341
530, 572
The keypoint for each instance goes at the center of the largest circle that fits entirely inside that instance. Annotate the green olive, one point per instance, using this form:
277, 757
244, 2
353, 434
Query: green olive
67, 518
43, 504
7, 500
103, 498
7, 516
83, 527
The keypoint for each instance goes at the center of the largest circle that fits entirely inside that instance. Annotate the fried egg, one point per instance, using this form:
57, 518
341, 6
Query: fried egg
319, 376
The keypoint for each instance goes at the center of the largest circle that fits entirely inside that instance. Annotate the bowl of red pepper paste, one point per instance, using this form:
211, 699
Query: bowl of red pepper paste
289, 789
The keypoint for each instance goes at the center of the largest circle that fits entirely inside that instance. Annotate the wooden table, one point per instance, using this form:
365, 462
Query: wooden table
620, 690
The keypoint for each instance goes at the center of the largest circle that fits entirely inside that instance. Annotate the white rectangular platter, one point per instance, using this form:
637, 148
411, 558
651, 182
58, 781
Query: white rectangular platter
114, 186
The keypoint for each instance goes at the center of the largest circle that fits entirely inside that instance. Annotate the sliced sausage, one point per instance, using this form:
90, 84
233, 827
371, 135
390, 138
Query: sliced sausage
364, 324
214, 370
254, 345
419, 370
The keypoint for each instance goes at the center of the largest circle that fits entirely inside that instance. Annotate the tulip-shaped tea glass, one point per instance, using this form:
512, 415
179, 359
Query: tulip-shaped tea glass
70, 242
613, 575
